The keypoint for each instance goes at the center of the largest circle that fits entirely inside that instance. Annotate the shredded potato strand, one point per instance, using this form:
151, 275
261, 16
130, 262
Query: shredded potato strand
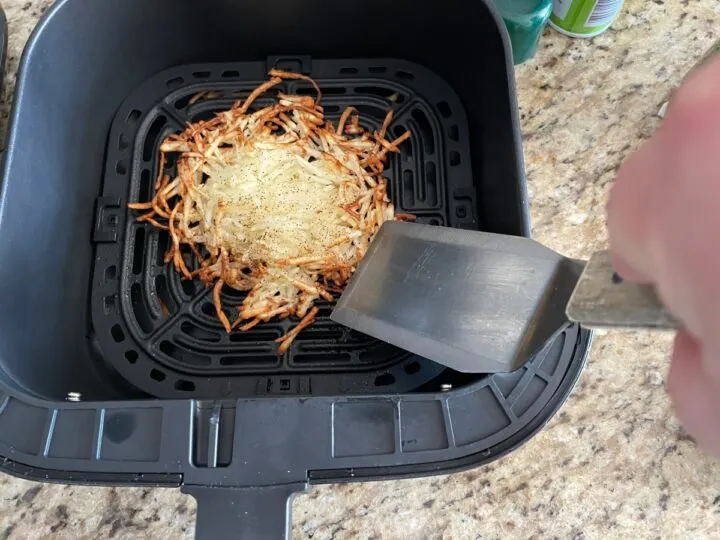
284, 203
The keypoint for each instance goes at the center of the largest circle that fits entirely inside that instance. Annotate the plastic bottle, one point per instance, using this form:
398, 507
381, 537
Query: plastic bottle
525, 21
584, 18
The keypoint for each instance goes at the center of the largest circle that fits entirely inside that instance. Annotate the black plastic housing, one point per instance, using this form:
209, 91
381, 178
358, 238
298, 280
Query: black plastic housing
72, 409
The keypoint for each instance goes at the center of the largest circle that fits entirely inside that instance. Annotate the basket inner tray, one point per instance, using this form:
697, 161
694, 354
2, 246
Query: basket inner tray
161, 333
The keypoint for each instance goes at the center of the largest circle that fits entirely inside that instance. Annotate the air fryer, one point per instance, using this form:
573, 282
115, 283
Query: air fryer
99, 385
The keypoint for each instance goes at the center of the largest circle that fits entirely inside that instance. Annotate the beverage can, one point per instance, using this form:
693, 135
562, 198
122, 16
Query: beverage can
584, 18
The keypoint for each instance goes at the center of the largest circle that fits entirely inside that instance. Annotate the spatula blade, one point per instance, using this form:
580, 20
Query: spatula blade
475, 302
602, 300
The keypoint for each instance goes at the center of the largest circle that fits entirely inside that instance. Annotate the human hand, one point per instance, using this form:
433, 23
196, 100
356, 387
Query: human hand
664, 227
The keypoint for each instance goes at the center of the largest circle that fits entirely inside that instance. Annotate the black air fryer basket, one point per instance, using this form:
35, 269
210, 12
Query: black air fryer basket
113, 371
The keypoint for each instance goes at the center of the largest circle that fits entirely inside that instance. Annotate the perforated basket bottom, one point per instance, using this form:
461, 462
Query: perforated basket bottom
161, 333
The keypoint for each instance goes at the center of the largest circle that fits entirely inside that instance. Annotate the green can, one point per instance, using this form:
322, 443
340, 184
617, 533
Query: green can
584, 18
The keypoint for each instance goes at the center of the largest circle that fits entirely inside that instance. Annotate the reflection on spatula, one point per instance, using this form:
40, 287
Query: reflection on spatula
480, 302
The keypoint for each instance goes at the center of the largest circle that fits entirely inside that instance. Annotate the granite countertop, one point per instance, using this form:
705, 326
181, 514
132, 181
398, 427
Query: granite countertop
614, 463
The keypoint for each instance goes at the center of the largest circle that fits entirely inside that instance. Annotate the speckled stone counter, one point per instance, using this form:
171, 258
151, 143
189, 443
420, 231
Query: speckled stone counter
614, 463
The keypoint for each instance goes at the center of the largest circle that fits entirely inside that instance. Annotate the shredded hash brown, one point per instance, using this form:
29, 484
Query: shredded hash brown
284, 203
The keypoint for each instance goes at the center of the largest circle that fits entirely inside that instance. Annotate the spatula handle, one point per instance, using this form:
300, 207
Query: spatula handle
601, 299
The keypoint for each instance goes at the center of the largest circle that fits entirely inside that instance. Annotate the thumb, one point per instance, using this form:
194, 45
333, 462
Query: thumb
630, 213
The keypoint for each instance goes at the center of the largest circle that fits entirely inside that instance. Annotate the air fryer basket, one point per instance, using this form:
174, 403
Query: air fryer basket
85, 349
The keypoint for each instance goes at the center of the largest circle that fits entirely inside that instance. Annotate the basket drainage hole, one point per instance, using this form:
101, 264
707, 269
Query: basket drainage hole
167, 302
455, 158
379, 91
123, 142
348, 71
188, 286
184, 355
461, 212
133, 116
121, 168
330, 91
174, 84
377, 69
140, 309
131, 356
407, 149
405, 75
157, 375
412, 368
408, 189
109, 304
152, 135
199, 333
201, 74
144, 192
110, 273
139, 251
117, 333
183, 102
444, 108
426, 130
230, 74
385, 380
162, 246
431, 182
234, 294
185, 386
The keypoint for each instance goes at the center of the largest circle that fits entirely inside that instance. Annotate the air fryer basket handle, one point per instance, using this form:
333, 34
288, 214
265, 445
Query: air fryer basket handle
243, 513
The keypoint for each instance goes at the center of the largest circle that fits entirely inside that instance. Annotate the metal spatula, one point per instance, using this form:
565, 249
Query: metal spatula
484, 303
